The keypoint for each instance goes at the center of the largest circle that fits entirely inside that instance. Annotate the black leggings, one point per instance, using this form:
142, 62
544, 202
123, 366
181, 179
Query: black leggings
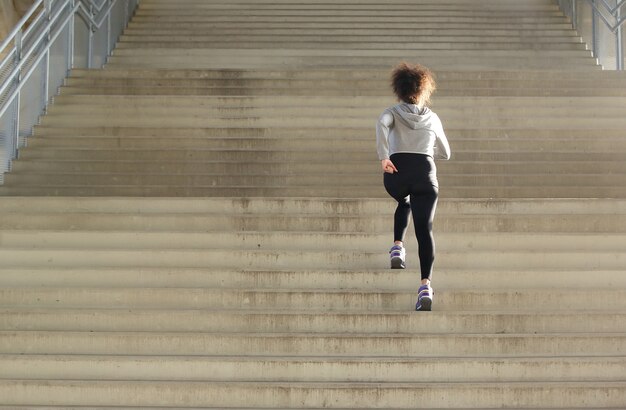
416, 189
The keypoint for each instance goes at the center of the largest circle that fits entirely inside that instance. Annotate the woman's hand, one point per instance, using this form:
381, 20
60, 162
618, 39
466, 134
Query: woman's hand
388, 166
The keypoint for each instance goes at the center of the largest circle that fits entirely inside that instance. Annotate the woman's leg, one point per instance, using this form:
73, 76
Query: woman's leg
423, 206
403, 210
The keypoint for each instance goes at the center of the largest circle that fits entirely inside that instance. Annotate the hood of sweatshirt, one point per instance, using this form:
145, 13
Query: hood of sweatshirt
411, 116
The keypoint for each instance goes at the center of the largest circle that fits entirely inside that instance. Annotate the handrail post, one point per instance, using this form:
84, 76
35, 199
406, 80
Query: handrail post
108, 32
594, 30
46, 77
90, 43
18, 79
70, 38
619, 46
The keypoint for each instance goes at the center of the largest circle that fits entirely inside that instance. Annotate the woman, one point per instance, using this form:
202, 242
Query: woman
409, 136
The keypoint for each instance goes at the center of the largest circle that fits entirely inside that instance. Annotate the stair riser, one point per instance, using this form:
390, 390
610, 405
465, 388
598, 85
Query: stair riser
361, 132
295, 191
534, 223
199, 321
293, 156
338, 370
512, 24
487, 180
361, 73
454, 167
295, 37
445, 109
229, 91
212, 395
291, 241
199, 344
468, 63
304, 260
362, 207
363, 146
341, 45
367, 280
195, 122
253, 13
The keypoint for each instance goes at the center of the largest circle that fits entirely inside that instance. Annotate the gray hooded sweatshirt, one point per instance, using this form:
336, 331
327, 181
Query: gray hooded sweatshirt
407, 128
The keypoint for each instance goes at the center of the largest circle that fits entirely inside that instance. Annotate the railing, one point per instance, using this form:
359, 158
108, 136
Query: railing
586, 15
39, 53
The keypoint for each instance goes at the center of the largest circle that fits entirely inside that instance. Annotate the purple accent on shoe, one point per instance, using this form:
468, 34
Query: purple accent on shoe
396, 255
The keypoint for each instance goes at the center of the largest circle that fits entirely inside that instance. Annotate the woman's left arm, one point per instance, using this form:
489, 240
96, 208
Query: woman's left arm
383, 126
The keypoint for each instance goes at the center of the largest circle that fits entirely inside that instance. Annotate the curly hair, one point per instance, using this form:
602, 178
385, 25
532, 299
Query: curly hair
413, 83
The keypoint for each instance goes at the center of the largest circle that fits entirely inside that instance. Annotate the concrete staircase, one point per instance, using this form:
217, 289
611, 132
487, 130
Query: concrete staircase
203, 225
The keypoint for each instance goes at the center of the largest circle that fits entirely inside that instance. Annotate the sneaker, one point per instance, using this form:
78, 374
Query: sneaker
397, 254
424, 298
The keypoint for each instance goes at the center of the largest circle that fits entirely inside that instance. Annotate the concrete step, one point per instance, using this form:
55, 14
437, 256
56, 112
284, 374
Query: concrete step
303, 206
489, 106
204, 408
490, 4
290, 240
347, 74
353, 25
534, 60
251, 92
400, 10
361, 132
370, 369
458, 38
303, 395
487, 6
372, 105
168, 9
467, 33
556, 20
304, 259
356, 45
352, 76
270, 168
370, 179
295, 191
329, 53
332, 82
259, 155
555, 144
202, 222
467, 278
307, 344
179, 319
191, 121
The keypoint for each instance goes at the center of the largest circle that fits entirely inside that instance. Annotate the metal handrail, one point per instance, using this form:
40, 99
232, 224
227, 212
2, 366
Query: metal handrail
20, 25
21, 64
611, 16
34, 68
612, 10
